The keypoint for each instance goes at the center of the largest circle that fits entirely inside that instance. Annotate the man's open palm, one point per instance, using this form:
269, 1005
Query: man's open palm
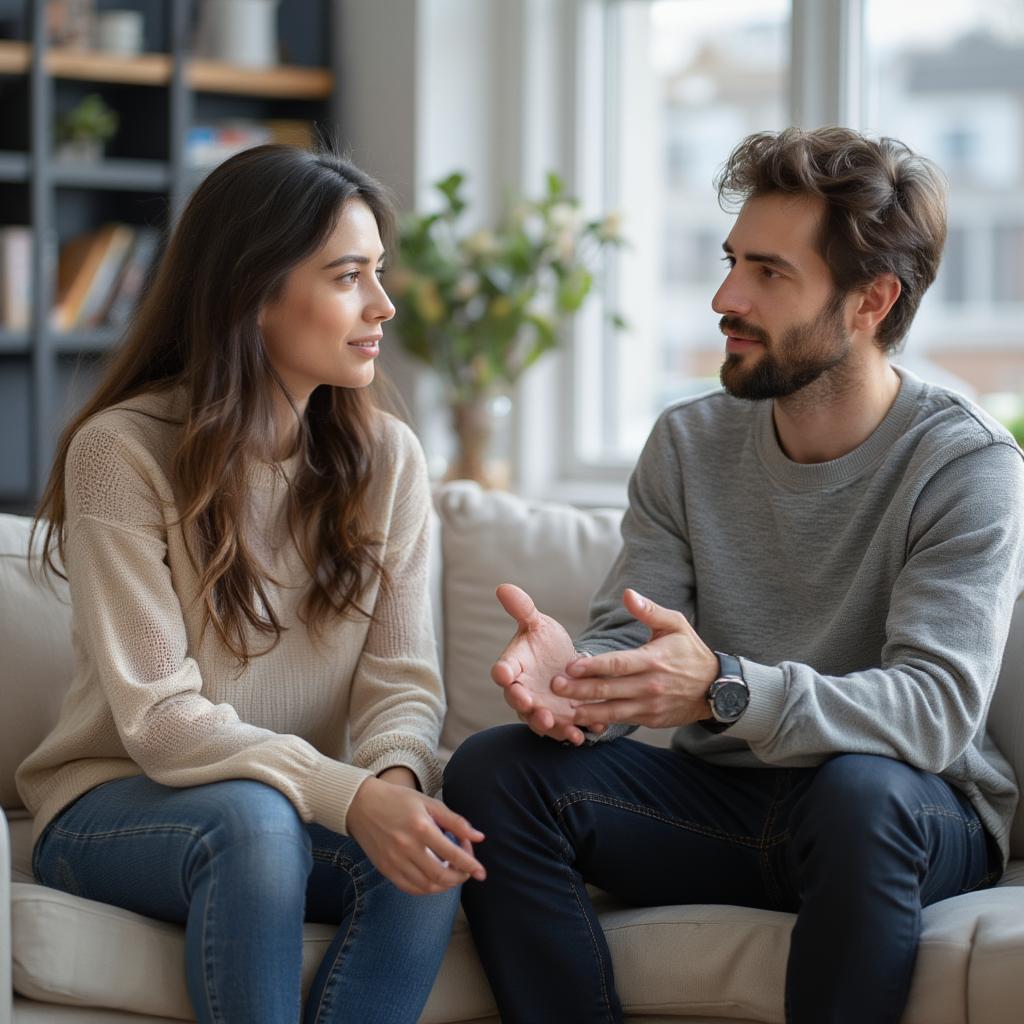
540, 650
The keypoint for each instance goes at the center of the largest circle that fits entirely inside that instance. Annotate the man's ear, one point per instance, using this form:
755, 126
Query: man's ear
874, 302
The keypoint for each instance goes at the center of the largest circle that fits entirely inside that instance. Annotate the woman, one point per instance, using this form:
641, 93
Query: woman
249, 740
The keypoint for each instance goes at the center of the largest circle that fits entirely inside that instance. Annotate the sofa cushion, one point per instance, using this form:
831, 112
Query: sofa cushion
557, 554
1006, 717
35, 637
708, 961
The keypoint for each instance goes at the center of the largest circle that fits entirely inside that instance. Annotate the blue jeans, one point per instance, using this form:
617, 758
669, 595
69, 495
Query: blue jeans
235, 864
856, 847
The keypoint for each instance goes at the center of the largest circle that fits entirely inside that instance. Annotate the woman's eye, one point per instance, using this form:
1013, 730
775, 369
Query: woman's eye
350, 278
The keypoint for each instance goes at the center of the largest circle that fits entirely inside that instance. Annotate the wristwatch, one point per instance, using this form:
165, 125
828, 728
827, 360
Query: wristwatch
728, 695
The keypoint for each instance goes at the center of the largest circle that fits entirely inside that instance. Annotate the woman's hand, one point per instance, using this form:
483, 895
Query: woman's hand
403, 833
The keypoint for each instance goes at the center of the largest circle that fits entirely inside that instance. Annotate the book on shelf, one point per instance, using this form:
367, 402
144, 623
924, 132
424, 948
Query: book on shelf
88, 270
129, 287
209, 144
15, 277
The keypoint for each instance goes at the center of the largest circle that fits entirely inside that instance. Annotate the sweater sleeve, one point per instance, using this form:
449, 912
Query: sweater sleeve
397, 700
947, 625
655, 557
129, 618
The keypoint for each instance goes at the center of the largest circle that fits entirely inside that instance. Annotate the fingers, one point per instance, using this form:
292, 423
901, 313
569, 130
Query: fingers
455, 823
519, 698
518, 603
654, 616
507, 669
457, 858
616, 688
606, 712
615, 663
543, 723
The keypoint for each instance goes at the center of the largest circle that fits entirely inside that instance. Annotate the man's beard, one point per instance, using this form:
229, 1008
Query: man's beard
798, 359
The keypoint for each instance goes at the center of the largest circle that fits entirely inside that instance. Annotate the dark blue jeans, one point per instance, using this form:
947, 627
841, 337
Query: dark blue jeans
235, 864
856, 847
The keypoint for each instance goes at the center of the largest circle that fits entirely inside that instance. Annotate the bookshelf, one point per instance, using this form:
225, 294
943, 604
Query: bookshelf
143, 180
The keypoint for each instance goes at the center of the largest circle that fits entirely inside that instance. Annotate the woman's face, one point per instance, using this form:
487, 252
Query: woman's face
325, 326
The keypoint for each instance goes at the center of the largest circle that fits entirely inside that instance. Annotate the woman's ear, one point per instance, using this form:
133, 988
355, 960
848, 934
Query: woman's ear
874, 302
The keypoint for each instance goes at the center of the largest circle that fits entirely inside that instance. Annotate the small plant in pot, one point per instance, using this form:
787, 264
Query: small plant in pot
84, 130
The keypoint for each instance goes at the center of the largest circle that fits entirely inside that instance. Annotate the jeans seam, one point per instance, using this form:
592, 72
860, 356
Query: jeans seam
574, 889
326, 994
213, 1004
578, 796
769, 874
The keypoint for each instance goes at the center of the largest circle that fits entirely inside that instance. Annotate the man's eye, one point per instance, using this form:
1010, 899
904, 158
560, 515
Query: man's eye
768, 273
729, 260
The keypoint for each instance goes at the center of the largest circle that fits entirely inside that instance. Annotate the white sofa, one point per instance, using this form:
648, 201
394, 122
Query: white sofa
73, 961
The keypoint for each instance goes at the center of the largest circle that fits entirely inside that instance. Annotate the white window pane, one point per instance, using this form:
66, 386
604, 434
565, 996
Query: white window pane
687, 80
948, 79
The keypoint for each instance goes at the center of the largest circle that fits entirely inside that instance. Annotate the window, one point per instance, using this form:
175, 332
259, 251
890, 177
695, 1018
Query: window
948, 79
682, 81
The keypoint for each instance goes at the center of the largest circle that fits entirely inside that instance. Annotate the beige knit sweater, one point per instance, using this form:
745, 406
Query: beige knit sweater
312, 718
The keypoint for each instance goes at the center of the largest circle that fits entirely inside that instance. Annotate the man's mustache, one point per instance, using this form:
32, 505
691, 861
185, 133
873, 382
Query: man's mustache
734, 325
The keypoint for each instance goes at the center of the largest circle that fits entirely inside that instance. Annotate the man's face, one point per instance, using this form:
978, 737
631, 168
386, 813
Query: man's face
783, 319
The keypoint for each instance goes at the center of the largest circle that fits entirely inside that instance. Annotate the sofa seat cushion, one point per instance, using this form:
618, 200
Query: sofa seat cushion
690, 961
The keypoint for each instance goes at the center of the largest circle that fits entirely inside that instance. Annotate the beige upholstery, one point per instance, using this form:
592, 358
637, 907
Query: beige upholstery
697, 964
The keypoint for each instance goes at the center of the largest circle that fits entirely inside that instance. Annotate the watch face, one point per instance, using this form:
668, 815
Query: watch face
730, 700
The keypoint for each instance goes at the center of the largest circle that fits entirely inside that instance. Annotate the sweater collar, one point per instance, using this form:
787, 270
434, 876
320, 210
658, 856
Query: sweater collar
816, 476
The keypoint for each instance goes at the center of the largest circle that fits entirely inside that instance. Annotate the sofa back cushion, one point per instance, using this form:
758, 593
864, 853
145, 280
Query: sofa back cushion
1006, 716
35, 653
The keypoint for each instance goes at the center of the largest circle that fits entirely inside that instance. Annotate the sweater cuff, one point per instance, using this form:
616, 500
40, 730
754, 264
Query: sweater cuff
330, 790
767, 686
398, 749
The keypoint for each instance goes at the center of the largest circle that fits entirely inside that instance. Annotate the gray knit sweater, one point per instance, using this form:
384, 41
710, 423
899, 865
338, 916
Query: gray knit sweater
869, 597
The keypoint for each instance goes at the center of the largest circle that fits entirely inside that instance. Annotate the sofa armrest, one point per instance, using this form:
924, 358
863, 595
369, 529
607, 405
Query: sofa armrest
6, 944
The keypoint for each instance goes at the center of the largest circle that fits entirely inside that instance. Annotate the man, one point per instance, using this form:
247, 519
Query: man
818, 569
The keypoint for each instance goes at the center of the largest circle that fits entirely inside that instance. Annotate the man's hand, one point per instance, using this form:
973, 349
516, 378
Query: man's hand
540, 650
663, 683
403, 833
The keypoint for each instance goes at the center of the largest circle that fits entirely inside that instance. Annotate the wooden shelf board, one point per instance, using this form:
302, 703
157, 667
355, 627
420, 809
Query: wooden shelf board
138, 175
14, 57
286, 82
95, 66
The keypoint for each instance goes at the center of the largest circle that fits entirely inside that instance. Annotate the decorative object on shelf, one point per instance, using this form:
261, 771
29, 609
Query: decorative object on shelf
481, 308
120, 32
207, 145
239, 31
84, 130
71, 23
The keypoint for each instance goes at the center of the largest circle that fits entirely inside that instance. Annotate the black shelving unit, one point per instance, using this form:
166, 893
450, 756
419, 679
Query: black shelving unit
144, 178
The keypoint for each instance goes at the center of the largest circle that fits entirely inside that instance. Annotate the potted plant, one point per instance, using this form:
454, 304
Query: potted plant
84, 130
480, 308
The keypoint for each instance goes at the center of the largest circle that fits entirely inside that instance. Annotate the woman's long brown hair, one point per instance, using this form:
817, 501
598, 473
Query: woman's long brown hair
252, 220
